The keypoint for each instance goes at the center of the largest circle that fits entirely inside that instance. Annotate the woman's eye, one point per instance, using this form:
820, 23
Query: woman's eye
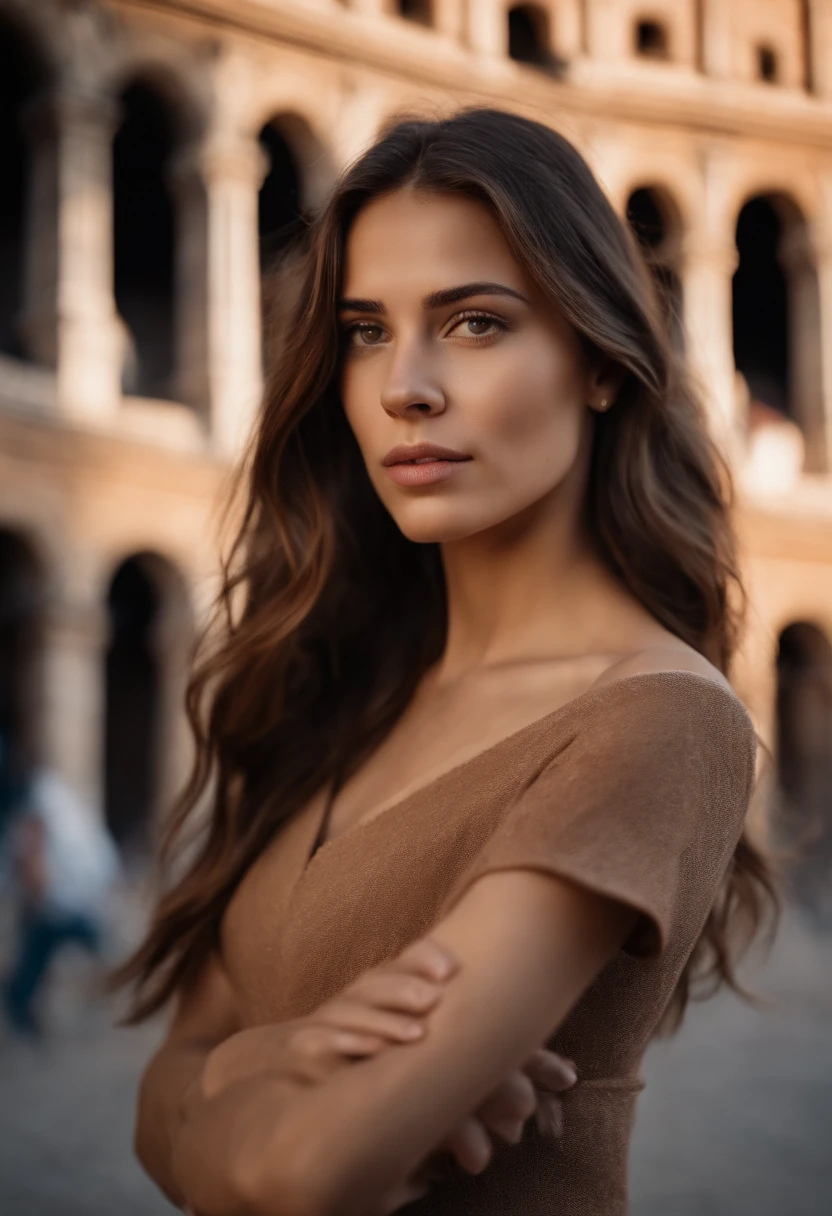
479, 326
364, 334
365, 331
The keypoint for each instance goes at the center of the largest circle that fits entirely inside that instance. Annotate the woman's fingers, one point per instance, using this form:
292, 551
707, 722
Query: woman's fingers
346, 1014
391, 1000
471, 1144
427, 958
396, 990
548, 1070
386, 1004
524, 1093
508, 1106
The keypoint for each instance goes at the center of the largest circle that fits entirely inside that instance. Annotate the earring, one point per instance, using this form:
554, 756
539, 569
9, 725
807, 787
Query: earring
602, 405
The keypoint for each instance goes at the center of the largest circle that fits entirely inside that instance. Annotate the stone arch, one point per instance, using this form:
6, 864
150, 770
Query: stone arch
297, 166
767, 63
181, 87
770, 44
651, 37
293, 158
776, 320
676, 179
150, 632
25, 73
421, 12
150, 130
23, 594
38, 26
530, 35
795, 190
306, 141
656, 221
804, 762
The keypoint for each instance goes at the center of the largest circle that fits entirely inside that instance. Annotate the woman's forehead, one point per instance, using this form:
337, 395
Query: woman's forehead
408, 242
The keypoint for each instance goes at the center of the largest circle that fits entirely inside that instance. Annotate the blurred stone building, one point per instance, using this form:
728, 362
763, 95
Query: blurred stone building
153, 152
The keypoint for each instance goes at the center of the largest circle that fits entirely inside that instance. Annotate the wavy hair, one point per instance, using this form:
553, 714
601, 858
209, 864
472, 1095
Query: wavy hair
329, 617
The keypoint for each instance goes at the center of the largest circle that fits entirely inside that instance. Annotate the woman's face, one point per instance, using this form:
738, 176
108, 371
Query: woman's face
494, 374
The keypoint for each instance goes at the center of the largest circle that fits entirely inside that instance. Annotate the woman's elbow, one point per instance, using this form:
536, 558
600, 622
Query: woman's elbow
151, 1139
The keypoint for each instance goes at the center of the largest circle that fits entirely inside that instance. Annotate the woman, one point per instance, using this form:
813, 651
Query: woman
470, 690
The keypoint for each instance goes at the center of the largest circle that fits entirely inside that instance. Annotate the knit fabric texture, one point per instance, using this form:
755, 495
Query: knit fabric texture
638, 789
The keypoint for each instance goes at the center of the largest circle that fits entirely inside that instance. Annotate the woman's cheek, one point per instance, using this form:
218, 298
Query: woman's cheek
535, 426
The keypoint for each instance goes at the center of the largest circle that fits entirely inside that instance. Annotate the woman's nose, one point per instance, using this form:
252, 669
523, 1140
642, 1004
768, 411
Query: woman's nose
410, 389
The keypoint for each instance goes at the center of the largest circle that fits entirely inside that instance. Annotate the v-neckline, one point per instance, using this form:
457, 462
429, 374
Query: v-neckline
322, 815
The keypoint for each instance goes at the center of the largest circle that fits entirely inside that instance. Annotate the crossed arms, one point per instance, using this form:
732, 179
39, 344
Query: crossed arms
529, 945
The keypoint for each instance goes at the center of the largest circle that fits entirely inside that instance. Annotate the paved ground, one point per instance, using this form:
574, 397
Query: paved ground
735, 1119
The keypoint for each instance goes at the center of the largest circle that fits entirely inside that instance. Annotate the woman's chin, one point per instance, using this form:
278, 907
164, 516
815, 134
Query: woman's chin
436, 530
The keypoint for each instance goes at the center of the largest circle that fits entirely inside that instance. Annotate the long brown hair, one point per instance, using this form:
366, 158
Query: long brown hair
329, 617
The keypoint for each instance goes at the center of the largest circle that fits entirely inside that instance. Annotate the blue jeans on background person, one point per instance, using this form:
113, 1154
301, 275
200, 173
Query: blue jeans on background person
41, 935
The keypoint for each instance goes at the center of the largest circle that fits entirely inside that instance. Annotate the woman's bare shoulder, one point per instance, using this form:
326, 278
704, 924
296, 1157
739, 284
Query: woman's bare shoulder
673, 655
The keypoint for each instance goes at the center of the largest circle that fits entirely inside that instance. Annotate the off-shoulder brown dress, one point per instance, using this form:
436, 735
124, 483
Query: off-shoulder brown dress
637, 789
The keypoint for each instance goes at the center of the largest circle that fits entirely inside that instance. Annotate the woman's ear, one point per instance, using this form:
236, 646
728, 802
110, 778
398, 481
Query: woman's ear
605, 384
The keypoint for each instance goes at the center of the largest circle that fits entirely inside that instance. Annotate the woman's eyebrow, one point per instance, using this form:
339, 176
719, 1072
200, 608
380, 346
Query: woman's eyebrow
437, 299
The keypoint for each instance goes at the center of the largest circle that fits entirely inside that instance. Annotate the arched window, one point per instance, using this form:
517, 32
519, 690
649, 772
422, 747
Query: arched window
529, 35
645, 217
651, 40
279, 208
279, 203
132, 705
776, 320
804, 762
22, 74
655, 224
21, 608
420, 11
767, 68
144, 238
151, 630
760, 307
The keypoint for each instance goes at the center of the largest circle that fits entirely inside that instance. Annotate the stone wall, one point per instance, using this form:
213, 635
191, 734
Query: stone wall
704, 105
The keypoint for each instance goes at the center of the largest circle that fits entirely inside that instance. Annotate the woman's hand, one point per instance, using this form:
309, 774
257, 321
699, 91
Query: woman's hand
384, 1005
504, 1112
378, 1009
389, 1004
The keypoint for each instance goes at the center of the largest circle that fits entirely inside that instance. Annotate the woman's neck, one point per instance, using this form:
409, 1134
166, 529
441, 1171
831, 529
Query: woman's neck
542, 592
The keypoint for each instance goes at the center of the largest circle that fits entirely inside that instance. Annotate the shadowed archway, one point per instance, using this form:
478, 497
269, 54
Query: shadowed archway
804, 759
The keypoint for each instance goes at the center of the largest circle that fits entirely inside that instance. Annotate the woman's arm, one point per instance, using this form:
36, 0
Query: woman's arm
205, 1017
529, 944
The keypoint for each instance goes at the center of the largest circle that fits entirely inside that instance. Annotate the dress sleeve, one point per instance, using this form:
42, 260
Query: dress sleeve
645, 804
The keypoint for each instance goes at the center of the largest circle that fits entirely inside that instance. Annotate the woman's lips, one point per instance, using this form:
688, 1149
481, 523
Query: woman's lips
425, 473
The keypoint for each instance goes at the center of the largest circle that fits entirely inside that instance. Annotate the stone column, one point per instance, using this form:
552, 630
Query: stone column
69, 318
717, 50
821, 239
218, 284
449, 18
487, 28
820, 48
708, 265
797, 257
75, 640
607, 34
171, 642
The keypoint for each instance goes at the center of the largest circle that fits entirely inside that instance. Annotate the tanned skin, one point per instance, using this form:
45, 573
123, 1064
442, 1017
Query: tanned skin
534, 620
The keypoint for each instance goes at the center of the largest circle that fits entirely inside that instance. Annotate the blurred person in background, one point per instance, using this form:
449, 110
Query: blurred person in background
65, 864
12, 790
467, 695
